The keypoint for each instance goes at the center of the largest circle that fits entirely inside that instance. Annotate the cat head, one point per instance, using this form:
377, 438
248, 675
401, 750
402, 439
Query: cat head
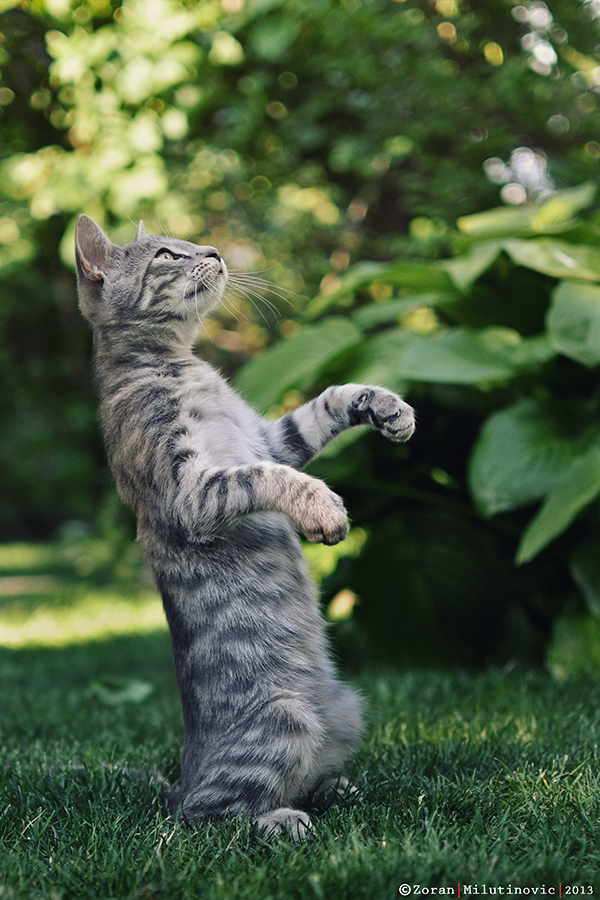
153, 280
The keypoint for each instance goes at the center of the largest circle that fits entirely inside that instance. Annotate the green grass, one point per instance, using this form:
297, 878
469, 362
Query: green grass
484, 779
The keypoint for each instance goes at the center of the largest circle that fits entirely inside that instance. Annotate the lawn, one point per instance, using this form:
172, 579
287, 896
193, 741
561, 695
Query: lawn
483, 780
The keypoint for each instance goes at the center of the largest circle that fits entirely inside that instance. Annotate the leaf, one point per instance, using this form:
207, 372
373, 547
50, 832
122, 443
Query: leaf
417, 276
521, 454
575, 647
382, 313
377, 360
556, 258
585, 570
114, 691
573, 493
497, 222
573, 322
295, 362
558, 212
459, 356
464, 270
357, 277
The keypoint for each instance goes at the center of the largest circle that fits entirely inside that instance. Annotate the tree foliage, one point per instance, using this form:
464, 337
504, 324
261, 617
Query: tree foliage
333, 144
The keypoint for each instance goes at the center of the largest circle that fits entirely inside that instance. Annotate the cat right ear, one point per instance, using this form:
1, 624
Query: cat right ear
94, 253
140, 233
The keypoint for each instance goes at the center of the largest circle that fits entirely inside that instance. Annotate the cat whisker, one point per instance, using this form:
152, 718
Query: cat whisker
254, 281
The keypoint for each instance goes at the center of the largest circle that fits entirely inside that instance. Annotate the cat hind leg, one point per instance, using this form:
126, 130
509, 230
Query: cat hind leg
258, 769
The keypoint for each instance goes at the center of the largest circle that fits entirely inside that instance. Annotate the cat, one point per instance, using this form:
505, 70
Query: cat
219, 498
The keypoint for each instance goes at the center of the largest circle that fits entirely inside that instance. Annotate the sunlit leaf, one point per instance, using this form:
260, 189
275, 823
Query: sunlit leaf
295, 362
574, 322
503, 220
574, 492
575, 647
559, 211
521, 455
556, 258
464, 270
383, 313
459, 356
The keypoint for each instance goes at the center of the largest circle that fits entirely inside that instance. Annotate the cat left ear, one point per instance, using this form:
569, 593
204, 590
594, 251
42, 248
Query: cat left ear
94, 253
140, 233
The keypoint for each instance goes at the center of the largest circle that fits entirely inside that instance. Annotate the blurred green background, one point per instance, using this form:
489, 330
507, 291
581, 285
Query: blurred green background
418, 182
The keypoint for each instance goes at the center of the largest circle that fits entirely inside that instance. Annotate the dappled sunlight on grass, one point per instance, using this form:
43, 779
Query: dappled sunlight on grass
45, 602
95, 614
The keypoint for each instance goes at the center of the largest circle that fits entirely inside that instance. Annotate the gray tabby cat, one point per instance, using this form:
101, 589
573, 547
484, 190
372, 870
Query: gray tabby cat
218, 496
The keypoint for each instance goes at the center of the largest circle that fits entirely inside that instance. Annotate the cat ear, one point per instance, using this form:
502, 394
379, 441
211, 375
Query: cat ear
140, 233
94, 253
97, 263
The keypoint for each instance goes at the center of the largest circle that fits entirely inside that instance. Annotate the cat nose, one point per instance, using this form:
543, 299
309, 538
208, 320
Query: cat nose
209, 253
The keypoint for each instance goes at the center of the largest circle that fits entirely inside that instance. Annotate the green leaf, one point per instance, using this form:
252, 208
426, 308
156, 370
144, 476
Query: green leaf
575, 647
417, 276
559, 211
585, 570
459, 356
573, 322
382, 313
497, 222
556, 258
377, 360
464, 270
521, 454
573, 493
295, 362
555, 214
357, 277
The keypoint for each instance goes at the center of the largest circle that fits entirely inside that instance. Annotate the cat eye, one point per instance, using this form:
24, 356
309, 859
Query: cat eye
169, 255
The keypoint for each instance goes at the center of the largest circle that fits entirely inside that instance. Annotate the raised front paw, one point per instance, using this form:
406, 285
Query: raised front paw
385, 411
319, 513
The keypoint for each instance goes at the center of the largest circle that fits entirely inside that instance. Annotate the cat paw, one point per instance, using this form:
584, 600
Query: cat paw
323, 519
293, 822
385, 411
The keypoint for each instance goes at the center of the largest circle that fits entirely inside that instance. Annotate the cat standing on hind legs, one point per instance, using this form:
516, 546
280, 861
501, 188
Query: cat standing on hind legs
219, 495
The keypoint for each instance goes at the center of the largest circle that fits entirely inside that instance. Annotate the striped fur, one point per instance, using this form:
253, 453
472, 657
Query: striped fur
218, 498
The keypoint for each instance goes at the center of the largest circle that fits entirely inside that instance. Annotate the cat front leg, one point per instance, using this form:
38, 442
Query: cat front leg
208, 502
299, 436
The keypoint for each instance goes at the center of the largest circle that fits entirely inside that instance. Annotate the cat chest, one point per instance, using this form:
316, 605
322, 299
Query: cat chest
221, 431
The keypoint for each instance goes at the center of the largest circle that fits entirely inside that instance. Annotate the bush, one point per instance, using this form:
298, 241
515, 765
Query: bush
498, 349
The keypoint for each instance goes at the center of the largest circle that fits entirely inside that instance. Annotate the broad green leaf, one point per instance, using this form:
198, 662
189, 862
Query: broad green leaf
521, 455
555, 214
556, 258
459, 356
295, 362
574, 492
416, 277
382, 313
497, 222
357, 277
558, 211
575, 647
585, 569
420, 277
377, 359
531, 352
464, 270
574, 321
